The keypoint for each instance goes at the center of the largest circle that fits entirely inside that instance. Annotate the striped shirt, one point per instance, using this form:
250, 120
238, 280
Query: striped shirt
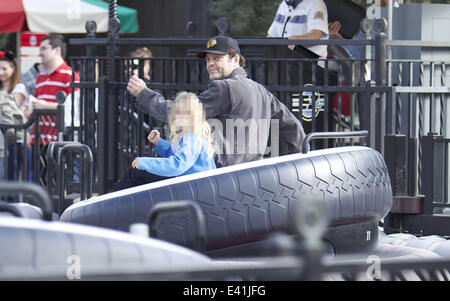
47, 86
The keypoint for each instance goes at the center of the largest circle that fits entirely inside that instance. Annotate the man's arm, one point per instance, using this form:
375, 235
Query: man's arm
45, 105
291, 133
214, 100
314, 34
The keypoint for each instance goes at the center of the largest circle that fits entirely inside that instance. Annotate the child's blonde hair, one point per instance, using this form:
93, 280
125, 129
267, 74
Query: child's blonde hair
198, 125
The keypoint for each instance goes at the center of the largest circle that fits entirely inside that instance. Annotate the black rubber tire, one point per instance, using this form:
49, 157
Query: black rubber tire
347, 239
244, 203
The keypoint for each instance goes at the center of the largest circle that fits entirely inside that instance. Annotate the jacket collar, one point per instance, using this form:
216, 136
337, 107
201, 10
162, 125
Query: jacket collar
238, 72
58, 69
293, 3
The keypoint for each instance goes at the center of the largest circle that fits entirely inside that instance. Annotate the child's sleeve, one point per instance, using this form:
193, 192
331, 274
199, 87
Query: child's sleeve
177, 164
164, 148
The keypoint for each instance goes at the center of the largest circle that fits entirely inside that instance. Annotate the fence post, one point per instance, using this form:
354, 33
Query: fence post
87, 133
395, 157
412, 166
112, 108
60, 98
380, 59
102, 135
380, 80
433, 171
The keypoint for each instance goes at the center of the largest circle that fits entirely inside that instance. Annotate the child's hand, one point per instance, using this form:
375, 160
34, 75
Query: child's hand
134, 164
153, 137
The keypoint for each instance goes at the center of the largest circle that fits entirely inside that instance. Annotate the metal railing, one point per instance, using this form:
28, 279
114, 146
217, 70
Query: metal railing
314, 89
419, 107
28, 163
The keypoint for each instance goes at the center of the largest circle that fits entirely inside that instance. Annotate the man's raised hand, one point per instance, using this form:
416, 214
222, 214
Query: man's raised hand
136, 85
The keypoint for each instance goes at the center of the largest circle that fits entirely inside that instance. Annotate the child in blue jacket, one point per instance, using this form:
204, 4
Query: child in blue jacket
190, 149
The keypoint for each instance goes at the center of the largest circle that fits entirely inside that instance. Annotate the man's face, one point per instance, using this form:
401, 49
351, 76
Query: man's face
220, 66
47, 53
145, 69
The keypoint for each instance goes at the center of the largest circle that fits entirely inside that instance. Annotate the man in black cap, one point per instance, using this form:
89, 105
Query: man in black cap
242, 113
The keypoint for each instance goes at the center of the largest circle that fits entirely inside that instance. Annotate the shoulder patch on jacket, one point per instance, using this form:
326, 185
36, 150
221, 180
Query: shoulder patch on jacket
319, 15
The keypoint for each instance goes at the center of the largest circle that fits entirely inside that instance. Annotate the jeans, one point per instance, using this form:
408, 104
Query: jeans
13, 169
2, 168
135, 177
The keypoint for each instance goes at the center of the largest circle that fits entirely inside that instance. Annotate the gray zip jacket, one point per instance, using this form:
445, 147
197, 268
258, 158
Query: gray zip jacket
244, 118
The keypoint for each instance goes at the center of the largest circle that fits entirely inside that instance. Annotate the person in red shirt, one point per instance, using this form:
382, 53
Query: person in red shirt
57, 76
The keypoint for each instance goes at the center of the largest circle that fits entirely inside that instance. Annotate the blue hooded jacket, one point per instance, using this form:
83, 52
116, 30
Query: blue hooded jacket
191, 156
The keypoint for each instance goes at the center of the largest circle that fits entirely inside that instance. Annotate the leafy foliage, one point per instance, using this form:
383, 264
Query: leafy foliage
245, 17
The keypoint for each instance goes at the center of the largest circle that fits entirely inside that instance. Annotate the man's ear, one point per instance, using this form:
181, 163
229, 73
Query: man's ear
58, 50
236, 59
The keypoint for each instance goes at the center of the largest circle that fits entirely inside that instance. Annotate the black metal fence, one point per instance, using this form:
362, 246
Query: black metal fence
325, 94
417, 160
316, 90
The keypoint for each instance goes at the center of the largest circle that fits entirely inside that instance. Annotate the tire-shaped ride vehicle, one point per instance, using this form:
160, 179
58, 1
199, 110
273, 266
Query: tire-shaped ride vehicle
242, 204
31, 248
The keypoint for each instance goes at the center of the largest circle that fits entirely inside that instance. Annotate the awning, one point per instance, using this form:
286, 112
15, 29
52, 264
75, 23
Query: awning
61, 16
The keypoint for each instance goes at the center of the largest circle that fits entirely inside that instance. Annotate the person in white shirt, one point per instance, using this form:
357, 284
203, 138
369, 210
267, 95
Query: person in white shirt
302, 20
13, 104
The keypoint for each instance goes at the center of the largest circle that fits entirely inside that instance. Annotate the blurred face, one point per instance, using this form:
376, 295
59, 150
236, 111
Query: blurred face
220, 66
47, 53
145, 69
182, 117
6, 71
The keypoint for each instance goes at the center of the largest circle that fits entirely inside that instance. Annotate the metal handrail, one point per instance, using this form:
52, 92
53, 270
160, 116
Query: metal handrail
87, 164
201, 41
179, 206
51, 160
42, 196
328, 135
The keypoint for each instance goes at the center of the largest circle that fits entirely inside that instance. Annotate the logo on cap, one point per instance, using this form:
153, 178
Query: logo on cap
211, 43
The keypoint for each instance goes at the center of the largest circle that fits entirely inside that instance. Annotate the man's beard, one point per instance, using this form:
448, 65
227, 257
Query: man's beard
216, 75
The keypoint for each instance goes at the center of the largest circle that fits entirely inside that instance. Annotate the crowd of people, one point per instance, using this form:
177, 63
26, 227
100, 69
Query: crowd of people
200, 136
36, 89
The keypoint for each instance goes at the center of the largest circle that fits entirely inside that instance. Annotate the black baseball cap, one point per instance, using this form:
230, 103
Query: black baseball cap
220, 45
